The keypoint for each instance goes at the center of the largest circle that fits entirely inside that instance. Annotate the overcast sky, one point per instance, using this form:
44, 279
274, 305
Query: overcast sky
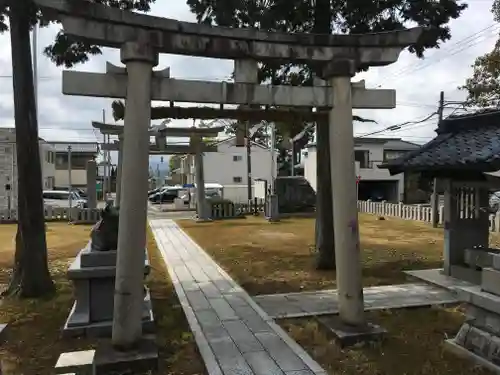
418, 82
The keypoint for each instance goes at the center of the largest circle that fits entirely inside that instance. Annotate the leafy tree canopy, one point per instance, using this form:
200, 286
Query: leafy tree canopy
348, 16
483, 87
353, 16
66, 50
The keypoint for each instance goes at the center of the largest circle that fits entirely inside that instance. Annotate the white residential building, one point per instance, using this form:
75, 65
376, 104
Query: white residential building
228, 167
81, 153
374, 183
8, 167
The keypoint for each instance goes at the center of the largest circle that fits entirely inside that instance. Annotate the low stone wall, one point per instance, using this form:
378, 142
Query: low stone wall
75, 215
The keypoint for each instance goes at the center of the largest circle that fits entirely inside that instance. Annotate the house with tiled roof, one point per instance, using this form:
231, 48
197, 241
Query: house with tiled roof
464, 157
466, 147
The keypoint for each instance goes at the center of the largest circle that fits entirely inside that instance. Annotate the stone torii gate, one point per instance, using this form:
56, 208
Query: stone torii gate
141, 38
162, 147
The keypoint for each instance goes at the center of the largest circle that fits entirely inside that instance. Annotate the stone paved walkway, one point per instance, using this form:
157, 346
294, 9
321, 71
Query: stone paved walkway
294, 305
234, 335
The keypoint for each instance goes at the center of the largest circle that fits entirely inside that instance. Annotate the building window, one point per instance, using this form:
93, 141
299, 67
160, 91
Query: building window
78, 161
389, 155
237, 180
237, 158
363, 157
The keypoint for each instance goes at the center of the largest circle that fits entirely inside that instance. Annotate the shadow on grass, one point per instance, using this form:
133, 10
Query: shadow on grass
32, 342
266, 272
277, 258
413, 345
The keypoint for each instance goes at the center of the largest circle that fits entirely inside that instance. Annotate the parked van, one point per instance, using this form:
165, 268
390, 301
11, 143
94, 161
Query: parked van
60, 198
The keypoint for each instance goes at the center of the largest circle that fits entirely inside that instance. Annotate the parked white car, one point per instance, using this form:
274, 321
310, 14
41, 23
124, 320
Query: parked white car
60, 198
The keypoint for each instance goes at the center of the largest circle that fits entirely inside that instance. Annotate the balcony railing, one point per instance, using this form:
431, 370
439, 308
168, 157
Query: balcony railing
372, 164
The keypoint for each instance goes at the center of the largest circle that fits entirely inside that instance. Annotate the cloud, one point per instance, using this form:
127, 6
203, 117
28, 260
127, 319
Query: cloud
418, 82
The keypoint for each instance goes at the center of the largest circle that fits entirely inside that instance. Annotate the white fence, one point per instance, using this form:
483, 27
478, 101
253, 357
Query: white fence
237, 193
75, 215
404, 211
416, 212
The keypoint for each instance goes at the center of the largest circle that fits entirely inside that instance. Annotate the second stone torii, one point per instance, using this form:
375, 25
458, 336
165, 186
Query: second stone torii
161, 147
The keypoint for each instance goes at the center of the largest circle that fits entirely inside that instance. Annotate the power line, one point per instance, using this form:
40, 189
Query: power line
399, 126
462, 45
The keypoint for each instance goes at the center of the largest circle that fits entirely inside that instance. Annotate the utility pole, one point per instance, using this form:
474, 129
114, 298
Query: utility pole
435, 192
249, 160
273, 163
70, 183
104, 167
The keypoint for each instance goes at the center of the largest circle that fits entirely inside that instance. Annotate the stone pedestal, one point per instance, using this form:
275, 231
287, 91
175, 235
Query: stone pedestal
479, 337
93, 276
272, 208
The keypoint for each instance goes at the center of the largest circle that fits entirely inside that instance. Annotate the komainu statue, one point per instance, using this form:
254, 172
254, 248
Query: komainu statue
104, 235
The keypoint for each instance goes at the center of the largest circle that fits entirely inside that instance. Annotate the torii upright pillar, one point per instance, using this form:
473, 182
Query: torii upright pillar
352, 325
129, 291
201, 201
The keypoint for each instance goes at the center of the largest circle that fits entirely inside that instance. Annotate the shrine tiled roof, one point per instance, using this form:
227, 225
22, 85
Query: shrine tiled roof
469, 142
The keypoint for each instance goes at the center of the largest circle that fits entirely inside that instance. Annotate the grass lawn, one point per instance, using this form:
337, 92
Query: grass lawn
413, 345
278, 258
274, 258
33, 338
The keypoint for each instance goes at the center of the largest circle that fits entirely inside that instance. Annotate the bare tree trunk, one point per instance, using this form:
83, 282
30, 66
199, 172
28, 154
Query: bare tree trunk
325, 237
31, 277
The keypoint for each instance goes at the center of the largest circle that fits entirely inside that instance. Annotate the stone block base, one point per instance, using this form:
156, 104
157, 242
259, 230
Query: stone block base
141, 360
479, 258
272, 219
81, 363
78, 326
198, 220
491, 281
465, 273
479, 338
347, 335
460, 351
